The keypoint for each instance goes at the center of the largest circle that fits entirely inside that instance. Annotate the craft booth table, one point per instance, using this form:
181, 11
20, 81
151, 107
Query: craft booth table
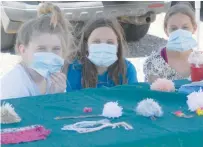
166, 131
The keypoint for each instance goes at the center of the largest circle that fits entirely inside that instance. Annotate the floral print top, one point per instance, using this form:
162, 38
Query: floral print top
156, 65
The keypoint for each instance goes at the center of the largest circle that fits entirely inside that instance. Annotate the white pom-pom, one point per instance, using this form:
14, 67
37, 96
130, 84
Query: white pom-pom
196, 57
163, 85
195, 100
112, 110
149, 108
8, 114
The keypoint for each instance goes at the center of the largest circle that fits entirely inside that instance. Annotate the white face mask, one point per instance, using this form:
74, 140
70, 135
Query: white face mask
103, 55
46, 63
181, 40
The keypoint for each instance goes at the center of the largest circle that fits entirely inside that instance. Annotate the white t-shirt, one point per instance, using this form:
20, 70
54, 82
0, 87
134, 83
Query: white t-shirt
17, 83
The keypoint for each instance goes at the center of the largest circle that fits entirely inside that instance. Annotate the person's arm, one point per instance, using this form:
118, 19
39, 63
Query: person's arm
131, 73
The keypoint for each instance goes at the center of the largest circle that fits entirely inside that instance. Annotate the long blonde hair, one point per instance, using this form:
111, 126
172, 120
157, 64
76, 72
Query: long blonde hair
89, 70
51, 20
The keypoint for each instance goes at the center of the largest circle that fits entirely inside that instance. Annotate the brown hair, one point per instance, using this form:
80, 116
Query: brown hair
183, 8
89, 70
50, 20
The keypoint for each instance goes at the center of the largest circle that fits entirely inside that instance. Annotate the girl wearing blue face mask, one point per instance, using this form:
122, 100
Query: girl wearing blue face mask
100, 61
42, 44
172, 61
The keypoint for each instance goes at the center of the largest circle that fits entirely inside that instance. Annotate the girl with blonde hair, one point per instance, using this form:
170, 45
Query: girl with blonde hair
43, 43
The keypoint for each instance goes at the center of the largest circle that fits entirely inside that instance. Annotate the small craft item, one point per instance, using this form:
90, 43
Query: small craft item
87, 110
195, 100
181, 114
149, 108
8, 114
163, 85
199, 111
196, 61
23, 134
110, 110
93, 126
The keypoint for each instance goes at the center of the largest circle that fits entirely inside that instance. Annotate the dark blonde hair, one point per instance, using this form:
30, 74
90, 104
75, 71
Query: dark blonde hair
50, 20
89, 70
183, 8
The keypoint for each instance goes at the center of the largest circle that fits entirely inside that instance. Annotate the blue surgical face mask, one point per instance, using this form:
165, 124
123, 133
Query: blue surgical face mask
46, 63
103, 55
181, 40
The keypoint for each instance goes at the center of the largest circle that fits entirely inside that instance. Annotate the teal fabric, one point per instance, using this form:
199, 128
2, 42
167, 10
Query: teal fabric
146, 86
179, 83
167, 131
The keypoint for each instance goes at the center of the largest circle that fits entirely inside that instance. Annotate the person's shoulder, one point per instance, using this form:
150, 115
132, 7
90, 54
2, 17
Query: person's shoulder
155, 54
154, 65
76, 64
74, 68
14, 73
128, 63
131, 72
12, 82
153, 58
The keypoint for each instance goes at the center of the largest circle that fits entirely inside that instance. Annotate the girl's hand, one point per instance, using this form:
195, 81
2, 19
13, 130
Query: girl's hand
58, 83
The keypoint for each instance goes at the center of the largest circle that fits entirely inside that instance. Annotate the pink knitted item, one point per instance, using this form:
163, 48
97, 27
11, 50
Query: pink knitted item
87, 110
27, 134
163, 85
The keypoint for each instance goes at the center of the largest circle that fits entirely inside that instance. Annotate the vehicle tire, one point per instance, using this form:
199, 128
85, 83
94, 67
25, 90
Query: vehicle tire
7, 40
135, 32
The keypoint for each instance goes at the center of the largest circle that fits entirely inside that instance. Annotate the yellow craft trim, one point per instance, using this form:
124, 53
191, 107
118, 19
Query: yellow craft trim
199, 111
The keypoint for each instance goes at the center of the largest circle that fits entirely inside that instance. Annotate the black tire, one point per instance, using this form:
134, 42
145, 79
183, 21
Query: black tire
135, 32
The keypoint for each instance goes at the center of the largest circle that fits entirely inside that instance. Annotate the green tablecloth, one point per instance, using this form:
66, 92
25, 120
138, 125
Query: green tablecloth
168, 131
